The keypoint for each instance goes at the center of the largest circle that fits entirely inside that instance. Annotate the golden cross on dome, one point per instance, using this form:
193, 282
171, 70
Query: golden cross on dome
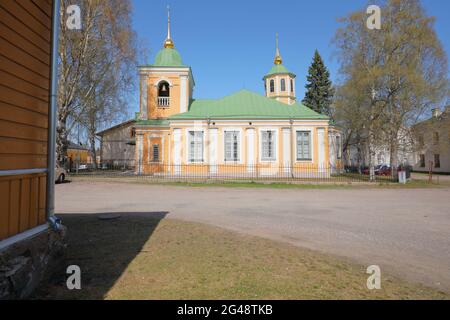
168, 43
278, 59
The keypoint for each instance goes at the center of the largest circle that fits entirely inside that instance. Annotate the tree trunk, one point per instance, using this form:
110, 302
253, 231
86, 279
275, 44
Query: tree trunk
371, 148
61, 141
93, 151
394, 156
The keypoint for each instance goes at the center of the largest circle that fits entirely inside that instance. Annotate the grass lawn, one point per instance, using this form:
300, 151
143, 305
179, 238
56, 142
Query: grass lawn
149, 257
413, 184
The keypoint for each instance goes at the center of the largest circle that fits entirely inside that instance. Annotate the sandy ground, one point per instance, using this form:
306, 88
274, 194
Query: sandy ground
404, 231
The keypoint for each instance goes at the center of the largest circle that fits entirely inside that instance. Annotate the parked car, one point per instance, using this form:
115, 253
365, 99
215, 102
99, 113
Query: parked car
60, 174
83, 167
384, 170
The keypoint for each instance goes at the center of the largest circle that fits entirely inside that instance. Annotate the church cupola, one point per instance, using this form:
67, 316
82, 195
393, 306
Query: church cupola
279, 82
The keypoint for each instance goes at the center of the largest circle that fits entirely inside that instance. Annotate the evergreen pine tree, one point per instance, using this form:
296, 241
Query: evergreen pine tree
319, 90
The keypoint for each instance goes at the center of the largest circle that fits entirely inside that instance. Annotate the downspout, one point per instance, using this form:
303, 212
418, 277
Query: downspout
51, 146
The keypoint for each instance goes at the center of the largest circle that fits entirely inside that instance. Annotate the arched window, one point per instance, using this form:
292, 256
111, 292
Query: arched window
292, 85
163, 94
283, 85
163, 89
272, 86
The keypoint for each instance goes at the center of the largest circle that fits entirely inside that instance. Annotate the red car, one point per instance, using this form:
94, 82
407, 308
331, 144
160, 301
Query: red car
380, 170
384, 171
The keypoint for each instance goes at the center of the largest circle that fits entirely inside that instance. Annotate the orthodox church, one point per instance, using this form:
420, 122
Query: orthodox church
178, 134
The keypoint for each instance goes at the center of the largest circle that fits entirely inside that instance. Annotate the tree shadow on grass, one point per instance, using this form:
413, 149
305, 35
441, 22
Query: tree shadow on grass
102, 249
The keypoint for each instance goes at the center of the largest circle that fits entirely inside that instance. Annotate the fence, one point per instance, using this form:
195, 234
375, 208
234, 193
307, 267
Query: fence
229, 172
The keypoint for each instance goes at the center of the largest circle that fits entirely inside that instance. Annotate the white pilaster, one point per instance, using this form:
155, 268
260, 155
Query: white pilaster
140, 148
321, 146
144, 88
177, 150
286, 149
213, 139
183, 94
277, 85
250, 148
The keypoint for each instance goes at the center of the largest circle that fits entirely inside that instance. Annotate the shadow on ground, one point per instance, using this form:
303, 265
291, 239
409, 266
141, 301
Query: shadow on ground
102, 249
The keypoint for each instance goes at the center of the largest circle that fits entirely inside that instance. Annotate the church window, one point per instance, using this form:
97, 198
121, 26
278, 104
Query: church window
283, 85
155, 153
339, 147
272, 85
292, 85
231, 145
268, 145
195, 146
304, 145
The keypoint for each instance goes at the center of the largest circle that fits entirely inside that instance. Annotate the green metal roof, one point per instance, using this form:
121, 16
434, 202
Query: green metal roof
168, 57
153, 122
278, 69
246, 105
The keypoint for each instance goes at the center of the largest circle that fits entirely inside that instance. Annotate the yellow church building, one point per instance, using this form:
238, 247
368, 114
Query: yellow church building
241, 134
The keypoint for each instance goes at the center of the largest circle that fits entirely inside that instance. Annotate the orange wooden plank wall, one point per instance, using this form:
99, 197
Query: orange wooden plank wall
22, 204
25, 47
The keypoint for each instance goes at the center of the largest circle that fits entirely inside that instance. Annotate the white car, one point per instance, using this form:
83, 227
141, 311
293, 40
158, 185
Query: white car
60, 174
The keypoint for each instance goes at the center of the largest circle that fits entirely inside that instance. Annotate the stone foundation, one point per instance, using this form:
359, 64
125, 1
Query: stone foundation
27, 263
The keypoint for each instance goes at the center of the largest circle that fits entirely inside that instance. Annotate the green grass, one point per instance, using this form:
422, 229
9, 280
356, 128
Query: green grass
413, 184
140, 257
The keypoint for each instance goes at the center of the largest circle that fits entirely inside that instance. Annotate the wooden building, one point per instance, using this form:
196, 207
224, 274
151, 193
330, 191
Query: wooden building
27, 117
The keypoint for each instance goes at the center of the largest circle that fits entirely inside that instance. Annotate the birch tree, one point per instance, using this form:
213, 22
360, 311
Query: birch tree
393, 75
96, 67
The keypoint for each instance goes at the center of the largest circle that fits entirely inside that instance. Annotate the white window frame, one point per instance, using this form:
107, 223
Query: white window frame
297, 132
275, 159
240, 145
188, 145
312, 139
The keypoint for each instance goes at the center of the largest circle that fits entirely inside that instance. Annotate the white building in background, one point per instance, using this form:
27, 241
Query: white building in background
433, 142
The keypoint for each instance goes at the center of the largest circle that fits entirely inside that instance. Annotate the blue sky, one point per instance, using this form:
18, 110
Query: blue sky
230, 44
